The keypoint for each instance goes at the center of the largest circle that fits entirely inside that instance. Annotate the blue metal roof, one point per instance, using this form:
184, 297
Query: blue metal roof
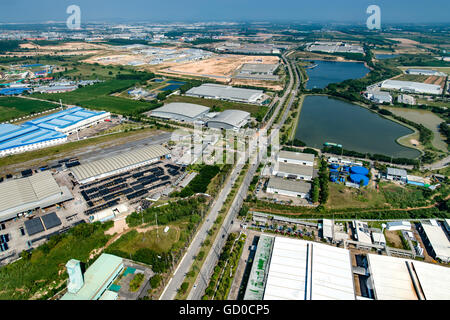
13, 91
64, 118
12, 136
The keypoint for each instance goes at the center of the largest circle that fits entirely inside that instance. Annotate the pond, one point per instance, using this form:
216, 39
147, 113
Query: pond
326, 119
326, 72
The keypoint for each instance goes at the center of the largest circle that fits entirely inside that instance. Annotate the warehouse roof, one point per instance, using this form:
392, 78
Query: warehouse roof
225, 92
64, 118
289, 185
12, 136
126, 159
290, 168
438, 240
96, 277
411, 86
180, 108
296, 155
24, 194
398, 278
235, 118
397, 172
304, 270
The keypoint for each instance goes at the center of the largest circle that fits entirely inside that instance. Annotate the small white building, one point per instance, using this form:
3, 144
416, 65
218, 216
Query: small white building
406, 99
379, 97
395, 174
362, 232
378, 238
398, 225
300, 158
328, 229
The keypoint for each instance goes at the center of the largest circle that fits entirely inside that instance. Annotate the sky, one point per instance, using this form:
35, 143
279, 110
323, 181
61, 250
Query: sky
348, 11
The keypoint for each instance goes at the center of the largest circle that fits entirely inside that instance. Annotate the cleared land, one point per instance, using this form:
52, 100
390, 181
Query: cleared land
426, 118
344, 197
220, 68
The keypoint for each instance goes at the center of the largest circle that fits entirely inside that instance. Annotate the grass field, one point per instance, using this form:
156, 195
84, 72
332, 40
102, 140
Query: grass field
255, 110
157, 241
344, 197
98, 97
13, 107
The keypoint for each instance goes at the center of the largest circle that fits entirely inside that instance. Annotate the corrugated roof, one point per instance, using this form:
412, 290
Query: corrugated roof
231, 117
103, 166
438, 240
397, 172
289, 185
300, 156
225, 92
27, 192
290, 168
184, 109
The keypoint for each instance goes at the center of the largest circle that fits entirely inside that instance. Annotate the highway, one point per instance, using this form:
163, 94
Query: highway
212, 258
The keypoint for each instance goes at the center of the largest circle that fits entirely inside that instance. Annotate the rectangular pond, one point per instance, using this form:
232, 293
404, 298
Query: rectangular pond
326, 119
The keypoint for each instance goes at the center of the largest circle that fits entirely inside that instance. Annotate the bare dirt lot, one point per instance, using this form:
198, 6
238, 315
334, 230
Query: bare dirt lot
219, 67
393, 239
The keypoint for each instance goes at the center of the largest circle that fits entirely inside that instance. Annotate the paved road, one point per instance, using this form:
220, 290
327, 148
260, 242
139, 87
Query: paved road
212, 258
439, 164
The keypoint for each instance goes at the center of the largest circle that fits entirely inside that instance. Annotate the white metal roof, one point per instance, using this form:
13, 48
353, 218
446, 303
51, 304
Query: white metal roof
106, 165
411, 86
438, 240
27, 193
327, 228
225, 92
231, 117
304, 270
434, 280
300, 156
190, 110
391, 278
397, 172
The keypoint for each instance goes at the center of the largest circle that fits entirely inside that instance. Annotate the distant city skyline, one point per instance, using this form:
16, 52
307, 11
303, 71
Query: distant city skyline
342, 11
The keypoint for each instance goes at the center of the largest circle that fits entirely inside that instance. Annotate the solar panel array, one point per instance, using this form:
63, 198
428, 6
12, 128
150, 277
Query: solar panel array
34, 226
51, 220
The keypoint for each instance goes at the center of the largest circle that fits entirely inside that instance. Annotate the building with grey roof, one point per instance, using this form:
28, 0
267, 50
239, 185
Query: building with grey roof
229, 119
425, 72
223, 92
37, 191
306, 159
395, 174
117, 164
289, 170
257, 71
180, 111
290, 188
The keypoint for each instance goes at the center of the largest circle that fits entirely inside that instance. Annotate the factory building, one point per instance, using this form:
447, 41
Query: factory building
55, 89
406, 99
257, 71
398, 225
223, 92
229, 119
304, 270
117, 164
288, 188
411, 87
395, 174
394, 278
306, 159
70, 120
34, 192
16, 139
379, 97
288, 170
95, 282
425, 72
179, 111
436, 241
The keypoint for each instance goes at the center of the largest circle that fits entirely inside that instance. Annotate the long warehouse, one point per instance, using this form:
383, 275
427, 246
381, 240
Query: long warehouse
38, 191
223, 92
410, 86
186, 112
229, 119
117, 164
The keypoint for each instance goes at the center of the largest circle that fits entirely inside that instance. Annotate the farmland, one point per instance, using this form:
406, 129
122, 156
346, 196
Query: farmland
98, 97
13, 107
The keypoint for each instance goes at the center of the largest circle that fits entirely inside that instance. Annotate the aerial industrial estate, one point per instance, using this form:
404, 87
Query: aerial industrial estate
224, 161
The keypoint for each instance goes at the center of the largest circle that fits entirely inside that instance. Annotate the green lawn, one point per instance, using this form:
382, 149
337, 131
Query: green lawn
255, 110
98, 97
13, 107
